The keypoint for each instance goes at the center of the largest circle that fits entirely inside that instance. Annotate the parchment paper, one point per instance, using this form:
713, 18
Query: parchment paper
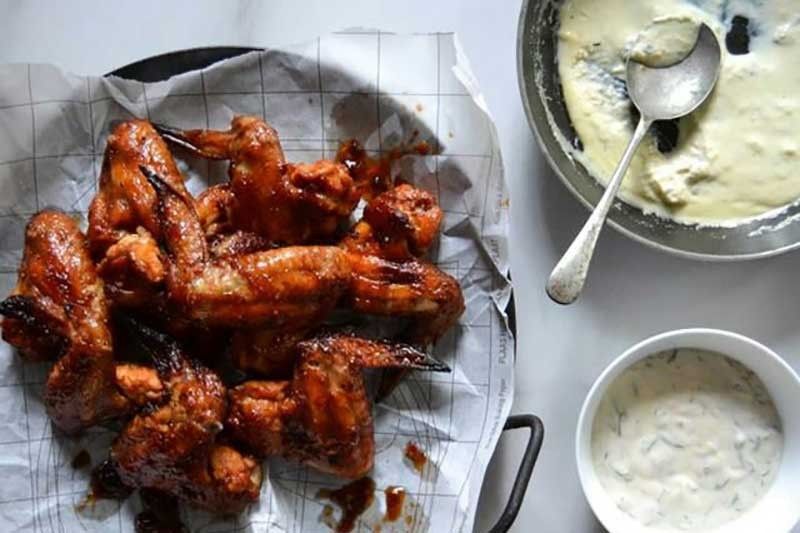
382, 89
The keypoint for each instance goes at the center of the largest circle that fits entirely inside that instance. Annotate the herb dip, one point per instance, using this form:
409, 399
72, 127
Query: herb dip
686, 440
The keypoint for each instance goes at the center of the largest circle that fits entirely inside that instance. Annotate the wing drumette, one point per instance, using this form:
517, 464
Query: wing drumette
389, 278
124, 230
58, 311
173, 447
322, 417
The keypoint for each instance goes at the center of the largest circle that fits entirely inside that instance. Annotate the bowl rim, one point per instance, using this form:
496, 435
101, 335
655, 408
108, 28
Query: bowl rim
630, 356
533, 124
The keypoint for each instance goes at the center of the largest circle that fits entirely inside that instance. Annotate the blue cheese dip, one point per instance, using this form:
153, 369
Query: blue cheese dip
686, 440
738, 156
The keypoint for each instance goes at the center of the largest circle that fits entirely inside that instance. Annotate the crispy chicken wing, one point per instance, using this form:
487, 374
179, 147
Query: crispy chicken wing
388, 278
124, 231
284, 203
418, 290
322, 417
58, 311
398, 225
173, 447
125, 200
274, 287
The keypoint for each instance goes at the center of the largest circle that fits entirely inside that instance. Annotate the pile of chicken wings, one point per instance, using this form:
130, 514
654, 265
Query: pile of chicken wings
201, 326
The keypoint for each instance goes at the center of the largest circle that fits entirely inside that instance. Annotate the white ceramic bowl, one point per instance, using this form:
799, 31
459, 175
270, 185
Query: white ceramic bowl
779, 509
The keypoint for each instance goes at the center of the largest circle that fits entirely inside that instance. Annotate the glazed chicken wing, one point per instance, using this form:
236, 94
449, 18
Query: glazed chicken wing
124, 232
282, 202
398, 225
173, 447
273, 287
58, 311
322, 417
388, 278
125, 200
432, 299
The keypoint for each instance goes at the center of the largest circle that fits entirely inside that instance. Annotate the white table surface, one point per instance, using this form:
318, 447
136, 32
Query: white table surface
633, 291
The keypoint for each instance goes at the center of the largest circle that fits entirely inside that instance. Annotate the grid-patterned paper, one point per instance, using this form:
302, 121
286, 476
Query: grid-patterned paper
382, 89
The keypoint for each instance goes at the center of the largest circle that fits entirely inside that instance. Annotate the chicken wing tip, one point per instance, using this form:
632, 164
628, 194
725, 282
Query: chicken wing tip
175, 136
164, 351
423, 361
19, 306
161, 186
30, 312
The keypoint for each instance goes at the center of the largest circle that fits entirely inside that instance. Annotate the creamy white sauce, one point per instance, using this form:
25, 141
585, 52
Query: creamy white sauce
686, 440
738, 156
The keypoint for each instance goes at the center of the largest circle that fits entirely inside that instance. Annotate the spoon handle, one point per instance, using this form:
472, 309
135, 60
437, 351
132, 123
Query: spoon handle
569, 276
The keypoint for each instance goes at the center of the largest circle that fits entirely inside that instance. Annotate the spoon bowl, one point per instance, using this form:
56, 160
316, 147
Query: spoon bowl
659, 93
665, 93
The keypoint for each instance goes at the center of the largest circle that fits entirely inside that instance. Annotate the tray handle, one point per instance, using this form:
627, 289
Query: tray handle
532, 449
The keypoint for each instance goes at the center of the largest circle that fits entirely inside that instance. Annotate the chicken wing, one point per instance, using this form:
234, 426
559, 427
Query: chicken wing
58, 311
399, 224
173, 447
275, 287
397, 227
322, 417
388, 278
124, 232
124, 200
282, 202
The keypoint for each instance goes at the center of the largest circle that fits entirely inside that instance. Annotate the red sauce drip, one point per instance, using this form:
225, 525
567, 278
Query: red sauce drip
373, 175
159, 514
417, 457
83, 459
353, 499
106, 483
395, 497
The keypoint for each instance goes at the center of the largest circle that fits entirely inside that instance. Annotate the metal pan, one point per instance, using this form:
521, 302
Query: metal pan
540, 86
161, 67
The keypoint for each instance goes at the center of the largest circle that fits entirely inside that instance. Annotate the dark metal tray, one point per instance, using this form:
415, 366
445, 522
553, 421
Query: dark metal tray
161, 67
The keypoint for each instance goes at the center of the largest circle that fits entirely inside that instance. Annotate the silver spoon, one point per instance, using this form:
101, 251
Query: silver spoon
659, 94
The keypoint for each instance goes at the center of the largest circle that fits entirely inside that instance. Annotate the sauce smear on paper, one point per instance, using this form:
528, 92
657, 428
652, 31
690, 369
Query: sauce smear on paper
417, 457
395, 498
373, 175
81, 460
353, 499
159, 514
107, 484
